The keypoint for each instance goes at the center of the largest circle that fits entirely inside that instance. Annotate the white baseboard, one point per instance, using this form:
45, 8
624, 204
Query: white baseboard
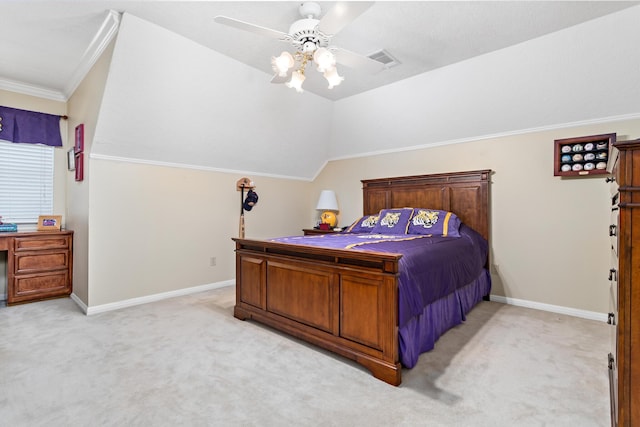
149, 298
79, 302
591, 315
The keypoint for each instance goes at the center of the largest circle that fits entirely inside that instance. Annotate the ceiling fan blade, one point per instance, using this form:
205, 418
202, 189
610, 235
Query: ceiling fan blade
263, 31
342, 14
357, 61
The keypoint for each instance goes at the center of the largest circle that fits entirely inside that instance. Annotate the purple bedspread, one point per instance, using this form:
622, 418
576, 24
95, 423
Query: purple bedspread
441, 279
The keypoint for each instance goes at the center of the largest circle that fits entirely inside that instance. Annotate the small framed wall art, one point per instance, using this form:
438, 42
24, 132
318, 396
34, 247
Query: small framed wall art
71, 159
79, 166
49, 222
79, 141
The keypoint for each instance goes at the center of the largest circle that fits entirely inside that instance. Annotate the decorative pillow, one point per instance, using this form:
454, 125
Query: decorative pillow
434, 221
363, 225
393, 221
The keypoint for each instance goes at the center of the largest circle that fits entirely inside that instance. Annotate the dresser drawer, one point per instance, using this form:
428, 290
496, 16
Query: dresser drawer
52, 241
39, 261
40, 286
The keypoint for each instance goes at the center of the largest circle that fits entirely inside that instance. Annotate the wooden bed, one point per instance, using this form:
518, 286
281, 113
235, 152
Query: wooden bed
347, 301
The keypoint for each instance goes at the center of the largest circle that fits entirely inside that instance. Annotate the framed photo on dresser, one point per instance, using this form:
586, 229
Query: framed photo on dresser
49, 222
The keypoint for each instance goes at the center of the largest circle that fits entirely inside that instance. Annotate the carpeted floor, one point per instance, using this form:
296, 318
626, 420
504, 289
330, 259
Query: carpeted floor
187, 361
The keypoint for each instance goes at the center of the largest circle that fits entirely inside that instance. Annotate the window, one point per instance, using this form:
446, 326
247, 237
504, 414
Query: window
26, 182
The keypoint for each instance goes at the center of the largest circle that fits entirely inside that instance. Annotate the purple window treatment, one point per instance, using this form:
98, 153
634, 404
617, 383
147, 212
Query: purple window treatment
29, 127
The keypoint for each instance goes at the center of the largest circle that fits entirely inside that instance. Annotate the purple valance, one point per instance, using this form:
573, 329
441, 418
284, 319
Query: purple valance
29, 127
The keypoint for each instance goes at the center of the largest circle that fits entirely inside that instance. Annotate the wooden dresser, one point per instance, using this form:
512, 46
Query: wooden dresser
624, 278
39, 264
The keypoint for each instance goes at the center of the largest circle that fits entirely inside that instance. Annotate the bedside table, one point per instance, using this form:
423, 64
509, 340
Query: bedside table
312, 231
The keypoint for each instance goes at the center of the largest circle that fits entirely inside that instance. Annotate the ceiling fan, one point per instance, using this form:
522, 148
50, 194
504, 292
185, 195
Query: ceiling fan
311, 38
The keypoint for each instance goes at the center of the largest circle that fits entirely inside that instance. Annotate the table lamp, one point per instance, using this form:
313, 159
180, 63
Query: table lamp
329, 205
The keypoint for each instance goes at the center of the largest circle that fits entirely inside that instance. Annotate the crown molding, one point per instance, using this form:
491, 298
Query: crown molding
588, 122
101, 40
32, 90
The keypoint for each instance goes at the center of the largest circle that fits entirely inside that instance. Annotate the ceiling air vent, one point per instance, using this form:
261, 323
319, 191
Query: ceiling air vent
384, 57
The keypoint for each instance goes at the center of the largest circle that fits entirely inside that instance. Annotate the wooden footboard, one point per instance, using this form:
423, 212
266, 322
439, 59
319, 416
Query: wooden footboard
343, 301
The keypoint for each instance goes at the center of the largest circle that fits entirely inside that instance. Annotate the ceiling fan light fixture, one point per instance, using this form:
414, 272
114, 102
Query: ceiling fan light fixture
310, 38
297, 78
332, 77
282, 63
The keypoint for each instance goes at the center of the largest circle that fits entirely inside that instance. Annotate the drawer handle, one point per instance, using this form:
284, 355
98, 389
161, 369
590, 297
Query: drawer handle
612, 230
611, 319
613, 274
609, 179
611, 361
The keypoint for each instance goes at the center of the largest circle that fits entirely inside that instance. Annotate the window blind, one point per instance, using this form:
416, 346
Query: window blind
26, 182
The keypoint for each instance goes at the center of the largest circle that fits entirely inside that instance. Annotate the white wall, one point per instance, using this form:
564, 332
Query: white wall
155, 228
169, 99
584, 73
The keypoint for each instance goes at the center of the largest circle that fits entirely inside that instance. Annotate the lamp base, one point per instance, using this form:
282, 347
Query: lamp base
329, 218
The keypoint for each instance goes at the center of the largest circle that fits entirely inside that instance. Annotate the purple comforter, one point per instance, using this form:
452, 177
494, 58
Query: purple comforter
430, 268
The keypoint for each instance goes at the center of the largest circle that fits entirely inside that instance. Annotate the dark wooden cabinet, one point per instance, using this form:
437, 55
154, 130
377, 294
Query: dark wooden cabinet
39, 265
624, 279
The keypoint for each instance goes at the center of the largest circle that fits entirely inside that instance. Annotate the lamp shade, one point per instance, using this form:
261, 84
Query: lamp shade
327, 201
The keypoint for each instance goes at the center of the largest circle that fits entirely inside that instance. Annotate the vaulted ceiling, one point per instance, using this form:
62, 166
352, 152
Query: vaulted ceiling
48, 46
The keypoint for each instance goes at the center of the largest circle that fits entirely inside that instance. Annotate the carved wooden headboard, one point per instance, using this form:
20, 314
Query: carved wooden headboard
464, 193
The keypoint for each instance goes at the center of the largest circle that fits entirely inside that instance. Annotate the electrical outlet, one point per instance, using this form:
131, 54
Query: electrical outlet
212, 261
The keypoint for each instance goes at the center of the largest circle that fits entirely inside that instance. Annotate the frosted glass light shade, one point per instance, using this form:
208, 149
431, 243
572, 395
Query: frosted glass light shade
324, 59
332, 77
282, 63
327, 201
297, 78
